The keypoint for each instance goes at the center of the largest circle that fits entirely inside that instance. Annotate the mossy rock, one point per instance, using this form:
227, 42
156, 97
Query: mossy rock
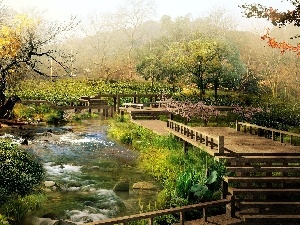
121, 186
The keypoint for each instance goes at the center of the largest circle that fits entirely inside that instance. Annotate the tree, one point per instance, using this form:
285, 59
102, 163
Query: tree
130, 18
209, 61
150, 67
27, 42
159, 62
277, 18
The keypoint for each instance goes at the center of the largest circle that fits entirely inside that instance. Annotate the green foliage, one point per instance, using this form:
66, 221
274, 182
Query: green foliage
20, 172
163, 158
54, 116
278, 115
3, 220
68, 90
17, 207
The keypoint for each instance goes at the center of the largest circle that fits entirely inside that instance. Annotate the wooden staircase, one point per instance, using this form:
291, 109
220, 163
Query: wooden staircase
265, 189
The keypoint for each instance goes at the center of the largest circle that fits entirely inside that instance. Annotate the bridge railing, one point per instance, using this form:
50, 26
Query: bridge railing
151, 215
201, 137
266, 132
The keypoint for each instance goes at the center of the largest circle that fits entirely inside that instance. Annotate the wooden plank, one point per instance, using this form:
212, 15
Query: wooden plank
260, 191
263, 169
262, 179
272, 219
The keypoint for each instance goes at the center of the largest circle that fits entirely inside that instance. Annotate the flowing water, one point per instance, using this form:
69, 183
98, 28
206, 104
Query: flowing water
85, 165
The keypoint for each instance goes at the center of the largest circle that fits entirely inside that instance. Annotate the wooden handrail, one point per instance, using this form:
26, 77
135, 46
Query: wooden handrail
197, 135
273, 131
151, 215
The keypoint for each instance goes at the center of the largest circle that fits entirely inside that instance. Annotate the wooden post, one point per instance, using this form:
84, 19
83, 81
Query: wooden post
192, 134
211, 143
118, 103
224, 189
221, 145
150, 221
206, 140
281, 137
122, 116
181, 218
204, 215
115, 103
237, 126
185, 147
232, 207
245, 128
273, 135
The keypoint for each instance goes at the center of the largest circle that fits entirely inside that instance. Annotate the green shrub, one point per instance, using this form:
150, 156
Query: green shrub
18, 207
3, 220
20, 172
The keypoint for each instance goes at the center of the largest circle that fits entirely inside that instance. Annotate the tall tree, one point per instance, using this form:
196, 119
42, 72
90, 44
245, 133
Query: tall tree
27, 42
130, 17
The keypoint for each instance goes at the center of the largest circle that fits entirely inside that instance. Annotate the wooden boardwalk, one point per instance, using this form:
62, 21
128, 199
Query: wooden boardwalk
263, 169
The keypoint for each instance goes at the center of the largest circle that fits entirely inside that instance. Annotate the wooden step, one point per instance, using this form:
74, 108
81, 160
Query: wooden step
261, 191
256, 154
262, 179
272, 219
271, 208
262, 159
290, 169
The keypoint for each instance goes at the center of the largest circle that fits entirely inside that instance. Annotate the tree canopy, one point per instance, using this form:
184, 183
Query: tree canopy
277, 18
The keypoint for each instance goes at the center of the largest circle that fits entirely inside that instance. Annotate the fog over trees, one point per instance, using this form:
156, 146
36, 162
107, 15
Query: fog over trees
129, 44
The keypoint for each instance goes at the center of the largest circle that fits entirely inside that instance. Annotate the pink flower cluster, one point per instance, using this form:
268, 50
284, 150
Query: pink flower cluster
246, 113
190, 110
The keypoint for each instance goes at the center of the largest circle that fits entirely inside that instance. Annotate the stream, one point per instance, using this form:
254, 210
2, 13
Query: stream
85, 165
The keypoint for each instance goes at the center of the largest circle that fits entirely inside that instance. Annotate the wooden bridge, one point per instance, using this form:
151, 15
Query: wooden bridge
101, 102
262, 185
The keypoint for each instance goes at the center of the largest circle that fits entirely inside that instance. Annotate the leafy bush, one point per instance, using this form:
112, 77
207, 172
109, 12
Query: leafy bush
17, 207
3, 220
20, 172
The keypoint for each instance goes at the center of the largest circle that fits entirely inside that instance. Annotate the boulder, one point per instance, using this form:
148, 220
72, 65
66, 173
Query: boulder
64, 222
144, 185
49, 183
43, 221
121, 186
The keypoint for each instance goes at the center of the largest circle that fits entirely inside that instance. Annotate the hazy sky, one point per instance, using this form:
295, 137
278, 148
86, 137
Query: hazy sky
62, 9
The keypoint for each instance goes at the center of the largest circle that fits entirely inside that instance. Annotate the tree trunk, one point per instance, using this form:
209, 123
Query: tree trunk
2, 90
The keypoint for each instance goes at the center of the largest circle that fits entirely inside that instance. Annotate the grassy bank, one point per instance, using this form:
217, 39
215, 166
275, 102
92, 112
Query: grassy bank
186, 178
